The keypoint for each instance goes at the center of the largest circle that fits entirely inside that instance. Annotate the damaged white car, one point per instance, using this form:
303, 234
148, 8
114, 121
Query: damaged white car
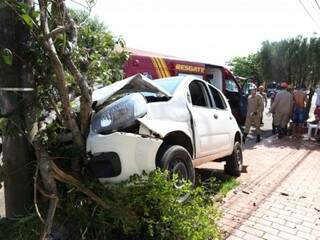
173, 123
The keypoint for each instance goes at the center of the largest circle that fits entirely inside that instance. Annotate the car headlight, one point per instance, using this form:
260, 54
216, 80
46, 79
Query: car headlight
120, 114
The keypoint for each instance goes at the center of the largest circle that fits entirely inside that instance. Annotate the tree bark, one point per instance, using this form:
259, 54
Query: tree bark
17, 153
47, 176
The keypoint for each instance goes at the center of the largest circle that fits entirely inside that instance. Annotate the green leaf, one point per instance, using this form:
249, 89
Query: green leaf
27, 19
7, 56
22, 7
35, 14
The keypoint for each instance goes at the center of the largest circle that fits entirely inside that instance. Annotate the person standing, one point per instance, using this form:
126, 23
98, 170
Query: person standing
318, 96
272, 97
299, 105
317, 109
255, 108
281, 109
265, 100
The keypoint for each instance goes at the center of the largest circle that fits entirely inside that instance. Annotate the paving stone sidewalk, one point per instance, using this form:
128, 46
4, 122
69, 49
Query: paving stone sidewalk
279, 196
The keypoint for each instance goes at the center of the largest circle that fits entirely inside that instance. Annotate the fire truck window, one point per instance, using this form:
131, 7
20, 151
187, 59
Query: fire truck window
218, 100
198, 93
231, 86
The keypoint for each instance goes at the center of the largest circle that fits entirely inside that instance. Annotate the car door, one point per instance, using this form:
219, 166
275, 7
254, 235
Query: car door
206, 120
223, 119
237, 101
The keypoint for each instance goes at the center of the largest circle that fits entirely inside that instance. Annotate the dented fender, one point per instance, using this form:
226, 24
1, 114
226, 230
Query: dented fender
163, 127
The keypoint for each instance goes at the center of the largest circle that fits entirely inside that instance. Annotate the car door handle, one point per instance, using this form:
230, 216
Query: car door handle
215, 116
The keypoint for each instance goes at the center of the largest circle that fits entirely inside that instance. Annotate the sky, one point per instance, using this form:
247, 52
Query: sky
211, 31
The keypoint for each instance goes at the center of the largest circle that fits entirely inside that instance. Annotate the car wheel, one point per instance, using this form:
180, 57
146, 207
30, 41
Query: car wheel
177, 160
233, 165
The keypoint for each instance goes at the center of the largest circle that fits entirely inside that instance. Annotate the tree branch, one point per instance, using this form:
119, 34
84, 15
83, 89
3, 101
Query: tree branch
45, 167
86, 98
35, 179
63, 177
53, 34
61, 81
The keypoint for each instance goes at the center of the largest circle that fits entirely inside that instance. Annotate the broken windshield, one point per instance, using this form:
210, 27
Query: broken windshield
169, 84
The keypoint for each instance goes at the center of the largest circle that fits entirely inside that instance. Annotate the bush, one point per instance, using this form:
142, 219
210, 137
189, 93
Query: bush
23, 228
144, 207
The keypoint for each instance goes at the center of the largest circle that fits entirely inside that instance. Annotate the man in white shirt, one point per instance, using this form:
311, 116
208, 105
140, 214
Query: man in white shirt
318, 96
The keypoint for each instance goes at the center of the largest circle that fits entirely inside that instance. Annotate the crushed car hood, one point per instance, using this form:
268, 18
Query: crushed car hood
136, 83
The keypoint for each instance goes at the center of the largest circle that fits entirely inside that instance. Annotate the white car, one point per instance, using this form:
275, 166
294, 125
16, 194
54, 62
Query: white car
174, 123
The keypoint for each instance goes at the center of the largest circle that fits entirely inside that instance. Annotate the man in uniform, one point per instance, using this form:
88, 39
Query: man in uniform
255, 108
265, 100
282, 109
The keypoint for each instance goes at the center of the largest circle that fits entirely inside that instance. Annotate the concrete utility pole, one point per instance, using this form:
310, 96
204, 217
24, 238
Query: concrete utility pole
18, 104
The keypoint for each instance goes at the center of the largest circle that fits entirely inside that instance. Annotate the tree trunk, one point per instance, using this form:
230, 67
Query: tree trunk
17, 154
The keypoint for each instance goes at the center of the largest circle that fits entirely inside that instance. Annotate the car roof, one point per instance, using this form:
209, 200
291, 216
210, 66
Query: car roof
186, 79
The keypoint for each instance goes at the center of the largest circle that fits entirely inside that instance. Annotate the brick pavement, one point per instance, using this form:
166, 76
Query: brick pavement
279, 196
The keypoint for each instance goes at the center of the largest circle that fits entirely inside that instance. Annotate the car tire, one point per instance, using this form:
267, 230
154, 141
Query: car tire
234, 162
177, 160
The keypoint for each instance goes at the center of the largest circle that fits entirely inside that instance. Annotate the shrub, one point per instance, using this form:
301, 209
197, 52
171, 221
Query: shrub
22, 228
144, 207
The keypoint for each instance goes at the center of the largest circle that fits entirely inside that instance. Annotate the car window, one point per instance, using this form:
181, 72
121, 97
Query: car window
199, 95
231, 86
218, 100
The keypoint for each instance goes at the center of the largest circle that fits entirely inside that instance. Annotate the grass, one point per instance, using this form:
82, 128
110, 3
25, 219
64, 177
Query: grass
228, 185
216, 183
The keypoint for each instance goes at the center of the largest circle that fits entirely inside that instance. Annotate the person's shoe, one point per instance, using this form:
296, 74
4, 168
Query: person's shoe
280, 133
244, 137
258, 138
274, 129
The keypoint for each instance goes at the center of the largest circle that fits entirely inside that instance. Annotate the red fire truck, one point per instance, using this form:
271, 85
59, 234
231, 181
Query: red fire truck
157, 66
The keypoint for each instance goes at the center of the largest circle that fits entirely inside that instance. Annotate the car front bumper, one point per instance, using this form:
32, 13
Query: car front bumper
117, 156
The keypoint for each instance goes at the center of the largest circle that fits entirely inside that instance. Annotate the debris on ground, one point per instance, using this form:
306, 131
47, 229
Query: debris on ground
284, 194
